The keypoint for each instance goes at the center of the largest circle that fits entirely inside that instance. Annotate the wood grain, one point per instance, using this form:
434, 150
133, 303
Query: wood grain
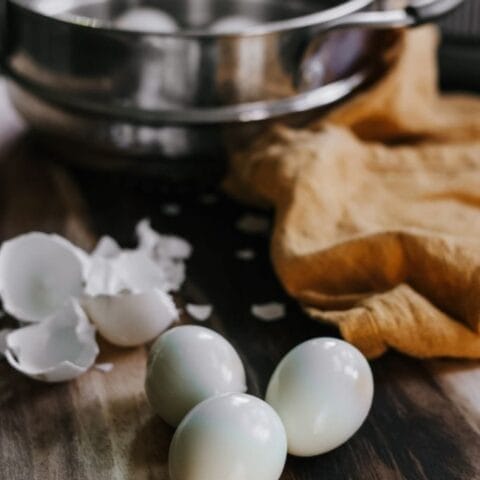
424, 423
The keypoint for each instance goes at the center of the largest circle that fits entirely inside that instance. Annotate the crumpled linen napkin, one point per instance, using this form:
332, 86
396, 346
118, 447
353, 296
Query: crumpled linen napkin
377, 227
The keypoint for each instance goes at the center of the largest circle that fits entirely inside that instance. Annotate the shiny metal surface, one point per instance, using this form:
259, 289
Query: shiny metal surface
178, 153
77, 75
172, 78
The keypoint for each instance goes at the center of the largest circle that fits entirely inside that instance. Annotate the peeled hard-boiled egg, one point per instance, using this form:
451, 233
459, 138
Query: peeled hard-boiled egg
187, 365
322, 390
229, 437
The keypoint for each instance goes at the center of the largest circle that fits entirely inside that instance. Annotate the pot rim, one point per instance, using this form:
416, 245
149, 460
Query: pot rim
316, 19
320, 97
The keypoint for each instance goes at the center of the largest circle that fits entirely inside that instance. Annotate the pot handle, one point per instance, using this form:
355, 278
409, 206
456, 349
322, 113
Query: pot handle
416, 13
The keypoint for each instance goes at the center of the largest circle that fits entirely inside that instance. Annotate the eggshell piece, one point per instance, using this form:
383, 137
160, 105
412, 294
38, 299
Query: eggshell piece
103, 278
200, 313
245, 254
158, 262
3, 340
131, 271
58, 349
174, 272
269, 312
230, 437
104, 367
322, 390
107, 247
187, 365
38, 274
139, 273
161, 246
253, 224
171, 209
131, 319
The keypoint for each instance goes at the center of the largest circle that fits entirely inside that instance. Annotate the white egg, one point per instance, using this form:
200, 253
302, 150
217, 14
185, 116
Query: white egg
322, 391
147, 19
230, 437
187, 365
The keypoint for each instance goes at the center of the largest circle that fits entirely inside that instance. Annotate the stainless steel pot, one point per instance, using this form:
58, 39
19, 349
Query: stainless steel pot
163, 101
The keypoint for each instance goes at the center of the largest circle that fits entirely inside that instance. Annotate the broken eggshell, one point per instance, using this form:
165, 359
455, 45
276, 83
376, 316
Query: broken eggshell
3, 340
130, 271
161, 246
102, 278
156, 263
39, 272
245, 254
138, 272
131, 319
167, 251
174, 273
107, 247
200, 313
269, 312
58, 349
104, 367
251, 224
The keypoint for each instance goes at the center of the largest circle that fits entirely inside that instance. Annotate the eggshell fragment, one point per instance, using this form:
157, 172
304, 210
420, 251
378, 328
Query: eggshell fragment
199, 312
156, 263
233, 436
3, 340
174, 272
137, 272
130, 271
131, 319
187, 365
253, 224
269, 312
171, 209
107, 247
160, 246
147, 19
103, 279
245, 254
38, 274
167, 251
58, 349
322, 391
104, 367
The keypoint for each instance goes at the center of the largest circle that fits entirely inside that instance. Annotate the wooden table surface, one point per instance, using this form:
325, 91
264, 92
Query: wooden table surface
425, 420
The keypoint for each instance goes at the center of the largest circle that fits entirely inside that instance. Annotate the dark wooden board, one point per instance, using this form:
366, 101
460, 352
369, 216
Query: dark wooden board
425, 420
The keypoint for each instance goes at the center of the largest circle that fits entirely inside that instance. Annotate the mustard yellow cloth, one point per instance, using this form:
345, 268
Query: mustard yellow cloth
377, 207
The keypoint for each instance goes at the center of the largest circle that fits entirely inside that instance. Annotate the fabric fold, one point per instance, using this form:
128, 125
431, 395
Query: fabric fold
377, 211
